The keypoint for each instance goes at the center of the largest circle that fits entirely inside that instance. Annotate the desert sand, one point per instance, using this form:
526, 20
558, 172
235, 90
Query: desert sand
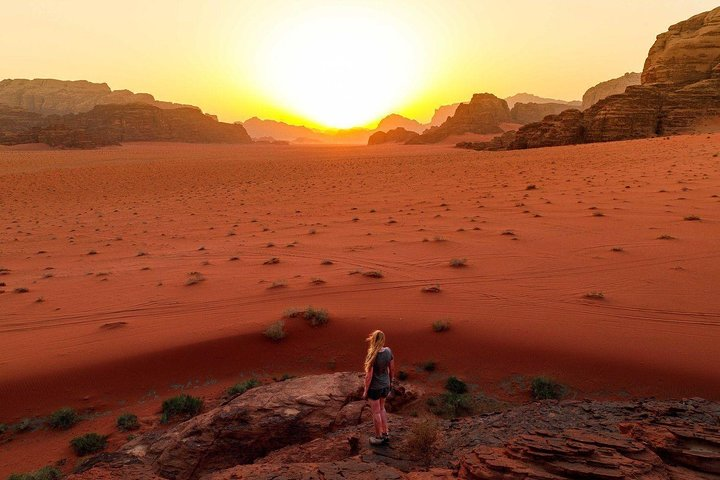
104, 240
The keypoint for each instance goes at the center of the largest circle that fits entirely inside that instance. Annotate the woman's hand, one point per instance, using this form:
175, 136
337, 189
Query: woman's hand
364, 395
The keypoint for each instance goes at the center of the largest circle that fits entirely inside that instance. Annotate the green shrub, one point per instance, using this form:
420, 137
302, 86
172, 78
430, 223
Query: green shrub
458, 262
316, 316
63, 419
275, 331
543, 388
127, 422
455, 385
402, 375
242, 387
429, 366
88, 443
3, 428
182, 405
441, 326
44, 473
451, 405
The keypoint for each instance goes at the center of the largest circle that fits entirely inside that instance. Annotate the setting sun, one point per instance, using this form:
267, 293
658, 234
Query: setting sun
346, 67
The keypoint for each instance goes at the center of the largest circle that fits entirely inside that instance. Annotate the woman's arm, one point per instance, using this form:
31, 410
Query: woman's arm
368, 379
391, 371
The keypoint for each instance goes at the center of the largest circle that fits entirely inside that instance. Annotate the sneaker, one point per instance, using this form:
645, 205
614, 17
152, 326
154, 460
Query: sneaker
386, 438
376, 440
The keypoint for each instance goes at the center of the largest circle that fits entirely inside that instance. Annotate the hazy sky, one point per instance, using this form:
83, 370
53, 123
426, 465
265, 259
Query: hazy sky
334, 63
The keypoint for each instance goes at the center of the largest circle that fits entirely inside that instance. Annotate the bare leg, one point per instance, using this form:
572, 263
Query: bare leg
383, 416
377, 416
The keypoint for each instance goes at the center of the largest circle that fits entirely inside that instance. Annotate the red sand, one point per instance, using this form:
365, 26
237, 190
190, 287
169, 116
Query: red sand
517, 308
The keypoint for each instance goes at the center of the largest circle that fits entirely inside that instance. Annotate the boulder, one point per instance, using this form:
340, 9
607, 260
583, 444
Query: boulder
609, 87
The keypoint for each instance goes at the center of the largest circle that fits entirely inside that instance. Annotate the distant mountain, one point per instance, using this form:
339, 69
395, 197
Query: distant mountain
442, 113
50, 97
258, 128
531, 98
394, 121
609, 87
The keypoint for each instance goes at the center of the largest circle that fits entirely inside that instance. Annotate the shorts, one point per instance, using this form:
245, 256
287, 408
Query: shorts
378, 393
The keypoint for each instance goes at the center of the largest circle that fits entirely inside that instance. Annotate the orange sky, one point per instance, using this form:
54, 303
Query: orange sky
334, 64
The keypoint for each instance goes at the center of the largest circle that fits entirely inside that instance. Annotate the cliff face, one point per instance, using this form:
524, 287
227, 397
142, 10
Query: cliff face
609, 87
59, 97
113, 124
483, 114
396, 135
680, 92
534, 112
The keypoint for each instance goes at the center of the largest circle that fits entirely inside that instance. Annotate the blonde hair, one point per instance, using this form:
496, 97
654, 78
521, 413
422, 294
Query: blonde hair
377, 342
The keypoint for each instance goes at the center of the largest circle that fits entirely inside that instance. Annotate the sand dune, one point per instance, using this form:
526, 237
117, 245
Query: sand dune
104, 241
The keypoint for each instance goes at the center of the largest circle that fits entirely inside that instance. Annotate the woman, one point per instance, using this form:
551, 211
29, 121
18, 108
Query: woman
379, 377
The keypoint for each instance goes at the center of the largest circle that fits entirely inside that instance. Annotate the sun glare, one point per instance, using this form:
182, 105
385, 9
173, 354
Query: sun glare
340, 67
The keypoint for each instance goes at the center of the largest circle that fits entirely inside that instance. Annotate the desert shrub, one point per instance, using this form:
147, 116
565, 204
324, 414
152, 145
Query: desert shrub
275, 331
194, 278
88, 443
458, 262
127, 422
441, 326
451, 405
543, 388
271, 261
665, 236
278, 284
431, 289
3, 428
421, 441
455, 385
23, 426
598, 214
283, 377
326, 261
595, 295
429, 366
532, 186
240, 388
21, 290
402, 375
617, 249
63, 419
181, 405
44, 473
692, 218
316, 316
373, 274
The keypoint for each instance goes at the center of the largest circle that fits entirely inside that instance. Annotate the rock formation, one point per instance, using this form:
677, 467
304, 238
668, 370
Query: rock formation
534, 112
483, 114
316, 428
531, 98
396, 135
59, 97
442, 113
114, 124
609, 87
394, 121
680, 93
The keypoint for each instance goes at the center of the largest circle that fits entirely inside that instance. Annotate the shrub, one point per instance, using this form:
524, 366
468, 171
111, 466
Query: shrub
275, 331
441, 326
451, 405
44, 473
692, 218
429, 366
63, 419
316, 316
431, 289
182, 405
326, 262
373, 274
127, 422
194, 278
422, 439
271, 261
665, 236
532, 186
402, 375
23, 426
88, 443
21, 290
240, 388
543, 388
278, 284
3, 428
594, 295
455, 385
617, 249
458, 262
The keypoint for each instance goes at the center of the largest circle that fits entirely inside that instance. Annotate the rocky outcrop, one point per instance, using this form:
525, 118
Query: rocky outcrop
396, 135
609, 87
59, 97
309, 428
393, 121
114, 124
687, 53
534, 112
483, 114
531, 98
680, 93
442, 113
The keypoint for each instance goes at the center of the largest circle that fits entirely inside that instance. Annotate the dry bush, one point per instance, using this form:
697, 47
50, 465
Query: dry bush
422, 439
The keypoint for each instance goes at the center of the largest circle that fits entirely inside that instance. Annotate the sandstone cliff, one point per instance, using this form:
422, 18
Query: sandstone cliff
114, 124
483, 114
680, 93
394, 121
532, 98
534, 112
316, 428
609, 87
49, 96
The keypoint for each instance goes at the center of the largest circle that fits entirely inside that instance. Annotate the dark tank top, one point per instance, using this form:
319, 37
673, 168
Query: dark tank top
381, 376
